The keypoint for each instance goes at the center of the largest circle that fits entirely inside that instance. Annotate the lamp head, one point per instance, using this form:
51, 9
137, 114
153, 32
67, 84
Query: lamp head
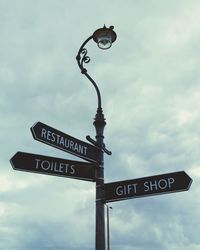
104, 37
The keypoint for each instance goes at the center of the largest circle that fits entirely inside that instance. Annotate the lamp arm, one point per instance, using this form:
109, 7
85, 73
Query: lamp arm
83, 58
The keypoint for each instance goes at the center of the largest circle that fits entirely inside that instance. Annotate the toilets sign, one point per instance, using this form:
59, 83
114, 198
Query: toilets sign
153, 185
42, 164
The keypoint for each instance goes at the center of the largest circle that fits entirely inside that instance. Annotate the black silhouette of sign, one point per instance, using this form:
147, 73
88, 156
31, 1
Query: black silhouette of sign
153, 185
53, 166
67, 143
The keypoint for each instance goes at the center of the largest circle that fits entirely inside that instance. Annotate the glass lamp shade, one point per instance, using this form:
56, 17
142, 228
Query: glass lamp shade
104, 42
104, 37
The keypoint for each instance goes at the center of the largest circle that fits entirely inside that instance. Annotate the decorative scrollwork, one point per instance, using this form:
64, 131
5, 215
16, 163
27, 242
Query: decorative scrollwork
83, 58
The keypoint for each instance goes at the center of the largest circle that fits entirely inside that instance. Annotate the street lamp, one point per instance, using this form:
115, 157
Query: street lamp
104, 37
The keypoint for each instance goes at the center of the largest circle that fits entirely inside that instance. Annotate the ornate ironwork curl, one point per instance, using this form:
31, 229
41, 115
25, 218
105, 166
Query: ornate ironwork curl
84, 58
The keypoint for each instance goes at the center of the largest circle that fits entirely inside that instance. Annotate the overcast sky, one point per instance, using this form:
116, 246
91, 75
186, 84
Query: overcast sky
150, 86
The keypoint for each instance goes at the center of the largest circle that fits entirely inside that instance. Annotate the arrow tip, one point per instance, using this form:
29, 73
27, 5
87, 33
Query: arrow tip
13, 159
189, 180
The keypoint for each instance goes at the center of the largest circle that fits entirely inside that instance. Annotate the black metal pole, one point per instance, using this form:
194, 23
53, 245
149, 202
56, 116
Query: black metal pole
99, 123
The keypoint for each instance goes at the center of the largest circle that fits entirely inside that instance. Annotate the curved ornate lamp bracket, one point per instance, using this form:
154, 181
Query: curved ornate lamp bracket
99, 121
82, 58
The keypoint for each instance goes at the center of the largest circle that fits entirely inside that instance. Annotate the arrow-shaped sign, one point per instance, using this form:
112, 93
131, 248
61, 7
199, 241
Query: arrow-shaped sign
152, 185
53, 166
53, 137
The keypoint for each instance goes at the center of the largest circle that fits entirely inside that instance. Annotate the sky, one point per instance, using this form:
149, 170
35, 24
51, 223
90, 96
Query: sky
149, 82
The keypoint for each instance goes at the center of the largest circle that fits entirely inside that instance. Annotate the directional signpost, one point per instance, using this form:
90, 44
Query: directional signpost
152, 185
55, 138
90, 171
94, 154
53, 166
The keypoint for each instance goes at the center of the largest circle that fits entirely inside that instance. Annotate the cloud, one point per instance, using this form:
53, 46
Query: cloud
149, 81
